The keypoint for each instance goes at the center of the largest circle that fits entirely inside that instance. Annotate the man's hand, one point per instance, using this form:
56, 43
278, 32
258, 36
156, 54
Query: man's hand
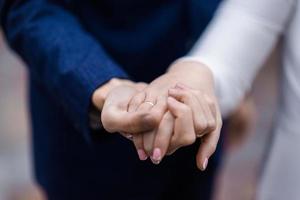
100, 94
125, 89
116, 118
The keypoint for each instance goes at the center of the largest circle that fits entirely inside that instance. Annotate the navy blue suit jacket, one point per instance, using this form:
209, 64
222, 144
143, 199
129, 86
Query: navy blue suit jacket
71, 47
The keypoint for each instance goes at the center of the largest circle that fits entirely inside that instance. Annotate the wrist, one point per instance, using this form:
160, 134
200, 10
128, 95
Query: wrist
196, 74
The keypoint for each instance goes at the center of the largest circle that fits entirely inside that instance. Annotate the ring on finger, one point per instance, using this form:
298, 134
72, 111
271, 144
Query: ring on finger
150, 103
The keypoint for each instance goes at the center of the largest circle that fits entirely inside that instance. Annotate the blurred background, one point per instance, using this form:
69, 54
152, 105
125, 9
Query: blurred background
236, 180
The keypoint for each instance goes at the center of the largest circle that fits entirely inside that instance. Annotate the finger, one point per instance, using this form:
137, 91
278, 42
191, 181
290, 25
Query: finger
157, 111
163, 137
213, 106
145, 106
117, 119
188, 97
136, 101
148, 102
208, 146
184, 133
151, 96
148, 141
148, 137
138, 143
209, 111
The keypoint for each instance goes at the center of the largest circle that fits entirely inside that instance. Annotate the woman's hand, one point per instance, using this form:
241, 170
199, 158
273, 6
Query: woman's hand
153, 99
191, 114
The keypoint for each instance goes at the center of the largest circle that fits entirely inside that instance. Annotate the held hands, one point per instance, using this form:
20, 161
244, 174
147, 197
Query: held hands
169, 113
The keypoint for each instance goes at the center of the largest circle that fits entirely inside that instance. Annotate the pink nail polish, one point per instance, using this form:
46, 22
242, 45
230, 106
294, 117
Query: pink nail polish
156, 156
205, 164
142, 154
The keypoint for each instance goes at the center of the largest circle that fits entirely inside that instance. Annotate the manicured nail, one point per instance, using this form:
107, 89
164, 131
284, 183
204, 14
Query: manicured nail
142, 154
205, 164
156, 156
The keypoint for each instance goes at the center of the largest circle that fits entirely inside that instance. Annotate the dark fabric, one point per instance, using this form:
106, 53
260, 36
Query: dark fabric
72, 47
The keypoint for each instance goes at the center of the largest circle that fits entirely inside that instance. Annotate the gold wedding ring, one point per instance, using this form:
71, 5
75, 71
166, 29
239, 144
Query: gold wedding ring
150, 103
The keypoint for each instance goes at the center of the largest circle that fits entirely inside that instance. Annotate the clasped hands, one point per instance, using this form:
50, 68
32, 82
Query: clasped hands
169, 113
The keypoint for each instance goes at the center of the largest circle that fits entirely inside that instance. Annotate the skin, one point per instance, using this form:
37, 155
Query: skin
184, 108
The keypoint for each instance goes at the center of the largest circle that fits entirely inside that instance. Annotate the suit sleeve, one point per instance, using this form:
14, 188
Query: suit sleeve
60, 54
237, 43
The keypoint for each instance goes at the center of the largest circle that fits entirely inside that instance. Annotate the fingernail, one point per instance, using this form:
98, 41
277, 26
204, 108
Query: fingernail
142, 154
205, 164
156, 156
129, 136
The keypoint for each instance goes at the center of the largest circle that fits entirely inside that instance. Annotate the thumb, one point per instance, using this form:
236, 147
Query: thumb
115, 117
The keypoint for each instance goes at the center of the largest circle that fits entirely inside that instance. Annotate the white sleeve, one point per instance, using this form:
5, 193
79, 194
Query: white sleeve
237, 43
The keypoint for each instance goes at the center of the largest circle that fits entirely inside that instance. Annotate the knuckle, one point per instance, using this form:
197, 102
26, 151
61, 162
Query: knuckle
114, 81
107, 122
210, 101
100, 97
199, 127
211, 124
